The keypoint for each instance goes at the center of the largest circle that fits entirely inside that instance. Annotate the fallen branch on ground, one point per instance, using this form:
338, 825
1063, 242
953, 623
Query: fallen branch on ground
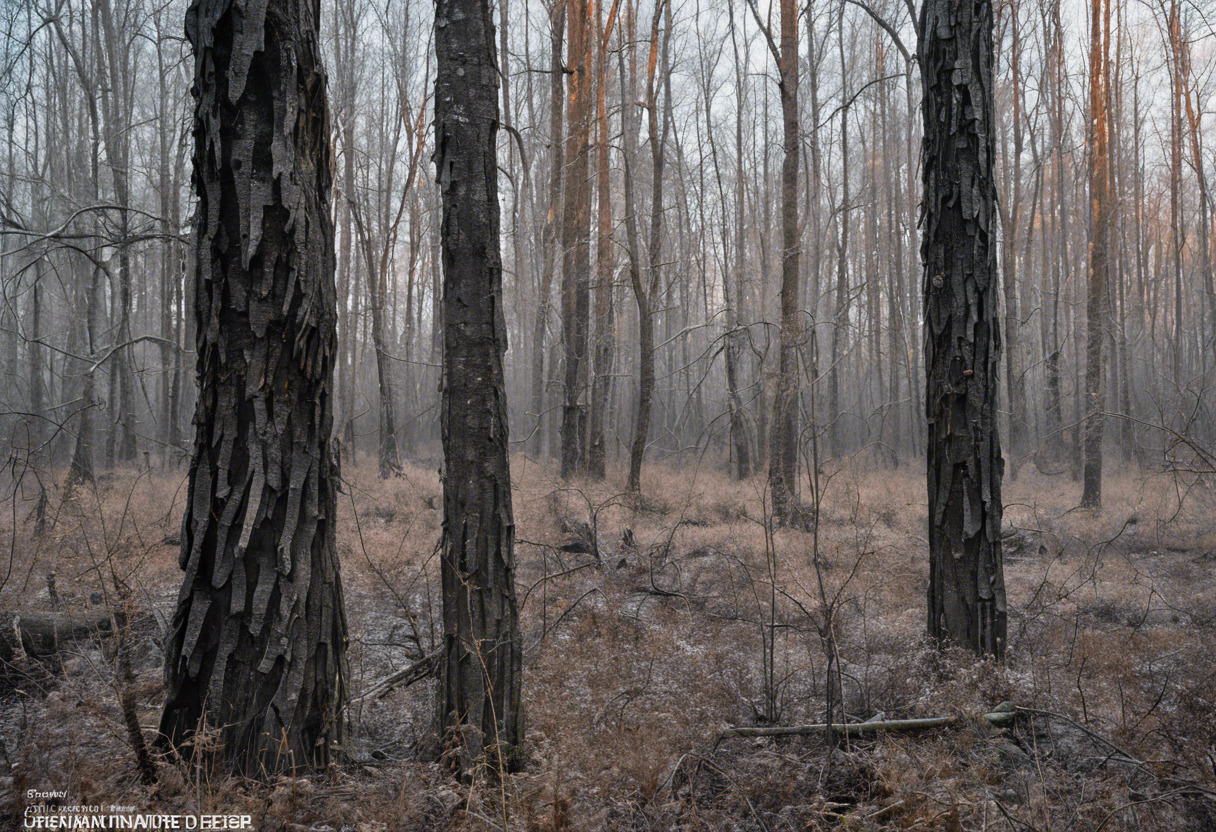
405, 677
852, 729
44, 634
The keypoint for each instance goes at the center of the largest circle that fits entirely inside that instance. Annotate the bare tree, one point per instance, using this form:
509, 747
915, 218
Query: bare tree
576, 240
605, 259
783, 448
1096, 311
647, 294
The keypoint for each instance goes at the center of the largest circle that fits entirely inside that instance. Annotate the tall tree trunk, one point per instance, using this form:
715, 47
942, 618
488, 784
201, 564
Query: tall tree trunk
1099, 250
480, 707
1015, 384
576, 242
34, 354
81, 469
345, 365
387, 457
895, 250
645, 325
1177, 230
840, 315
1059, 260
170, 316
646, 297
1194, 115
605, 262
962, 328
377, 267
117, 103
783, 449
740, 430
557, 24
257, 646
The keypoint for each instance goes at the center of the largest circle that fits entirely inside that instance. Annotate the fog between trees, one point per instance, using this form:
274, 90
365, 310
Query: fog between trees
771, 241
98, 230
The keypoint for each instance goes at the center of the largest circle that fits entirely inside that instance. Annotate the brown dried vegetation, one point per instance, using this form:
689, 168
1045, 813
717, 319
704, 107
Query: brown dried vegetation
642, 621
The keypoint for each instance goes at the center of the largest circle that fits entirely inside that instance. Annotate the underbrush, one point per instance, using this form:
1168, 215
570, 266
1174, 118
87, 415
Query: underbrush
650, 626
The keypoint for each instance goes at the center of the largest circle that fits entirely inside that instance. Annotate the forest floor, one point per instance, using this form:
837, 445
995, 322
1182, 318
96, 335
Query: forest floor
652, 626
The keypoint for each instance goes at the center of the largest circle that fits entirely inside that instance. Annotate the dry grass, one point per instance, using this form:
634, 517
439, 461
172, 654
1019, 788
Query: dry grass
635, 664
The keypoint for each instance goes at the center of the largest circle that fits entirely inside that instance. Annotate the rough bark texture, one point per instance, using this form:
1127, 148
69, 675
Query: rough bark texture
962, 332
479, 706
257, 644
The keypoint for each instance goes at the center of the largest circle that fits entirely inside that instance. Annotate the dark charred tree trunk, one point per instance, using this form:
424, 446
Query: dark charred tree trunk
783, 450
258, 642
962, 338
480, 708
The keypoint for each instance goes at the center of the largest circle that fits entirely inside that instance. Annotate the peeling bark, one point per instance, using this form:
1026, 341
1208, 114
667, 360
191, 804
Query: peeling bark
257, 644
962, 328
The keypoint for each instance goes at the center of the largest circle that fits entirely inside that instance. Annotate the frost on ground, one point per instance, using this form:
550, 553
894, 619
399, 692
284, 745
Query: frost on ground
650, 625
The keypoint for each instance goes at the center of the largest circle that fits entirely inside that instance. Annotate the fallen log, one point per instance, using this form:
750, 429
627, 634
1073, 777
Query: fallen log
44, 634
404, 677
854, 729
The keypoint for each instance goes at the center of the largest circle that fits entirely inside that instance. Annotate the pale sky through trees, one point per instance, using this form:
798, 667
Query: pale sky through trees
97, 219
676, 387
